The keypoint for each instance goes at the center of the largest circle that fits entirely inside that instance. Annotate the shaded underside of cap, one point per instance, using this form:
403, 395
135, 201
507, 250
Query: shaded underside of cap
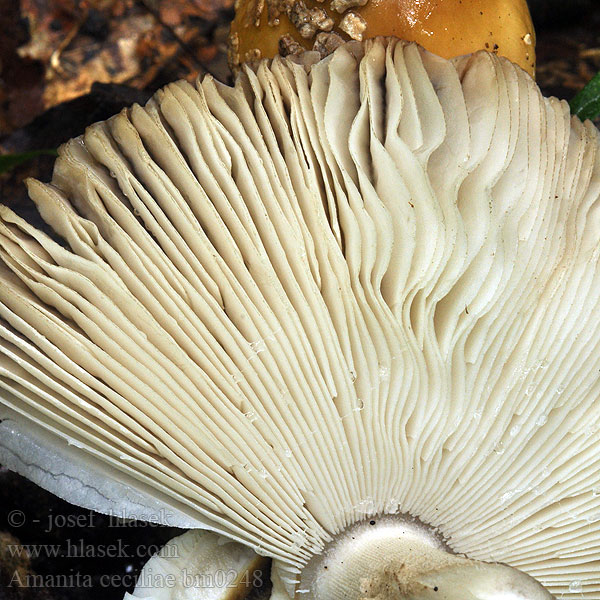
361, 286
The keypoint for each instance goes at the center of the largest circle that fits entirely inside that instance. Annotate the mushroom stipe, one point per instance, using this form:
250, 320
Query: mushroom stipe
363, 288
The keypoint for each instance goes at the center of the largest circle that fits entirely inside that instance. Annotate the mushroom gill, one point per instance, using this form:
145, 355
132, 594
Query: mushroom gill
342, 289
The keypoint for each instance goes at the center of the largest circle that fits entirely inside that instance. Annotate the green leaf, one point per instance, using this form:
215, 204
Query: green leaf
586, 105
10, 161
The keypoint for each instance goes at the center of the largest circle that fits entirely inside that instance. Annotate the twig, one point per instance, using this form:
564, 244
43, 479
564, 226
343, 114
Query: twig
184, 46
64, 44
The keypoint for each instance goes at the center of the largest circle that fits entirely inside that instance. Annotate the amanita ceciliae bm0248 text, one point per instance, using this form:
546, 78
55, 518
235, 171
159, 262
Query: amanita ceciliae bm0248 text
344, 314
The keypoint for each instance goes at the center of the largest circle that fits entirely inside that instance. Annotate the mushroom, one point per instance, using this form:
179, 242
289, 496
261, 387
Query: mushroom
344, 314
447, 28
200, 565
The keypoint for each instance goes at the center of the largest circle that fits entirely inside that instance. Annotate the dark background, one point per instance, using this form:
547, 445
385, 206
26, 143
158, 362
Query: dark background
53, 53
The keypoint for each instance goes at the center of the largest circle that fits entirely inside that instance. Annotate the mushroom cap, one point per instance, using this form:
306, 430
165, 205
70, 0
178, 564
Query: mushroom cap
200, 565
359, 286
447, 28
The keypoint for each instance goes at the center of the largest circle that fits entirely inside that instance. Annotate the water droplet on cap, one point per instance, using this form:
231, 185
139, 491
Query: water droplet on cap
575, 586
251, 416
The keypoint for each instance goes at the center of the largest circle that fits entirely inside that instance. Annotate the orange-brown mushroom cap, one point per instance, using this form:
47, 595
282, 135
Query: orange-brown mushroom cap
448, 28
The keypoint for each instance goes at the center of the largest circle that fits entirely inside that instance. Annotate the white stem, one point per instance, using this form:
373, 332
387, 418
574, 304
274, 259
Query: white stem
397, 558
